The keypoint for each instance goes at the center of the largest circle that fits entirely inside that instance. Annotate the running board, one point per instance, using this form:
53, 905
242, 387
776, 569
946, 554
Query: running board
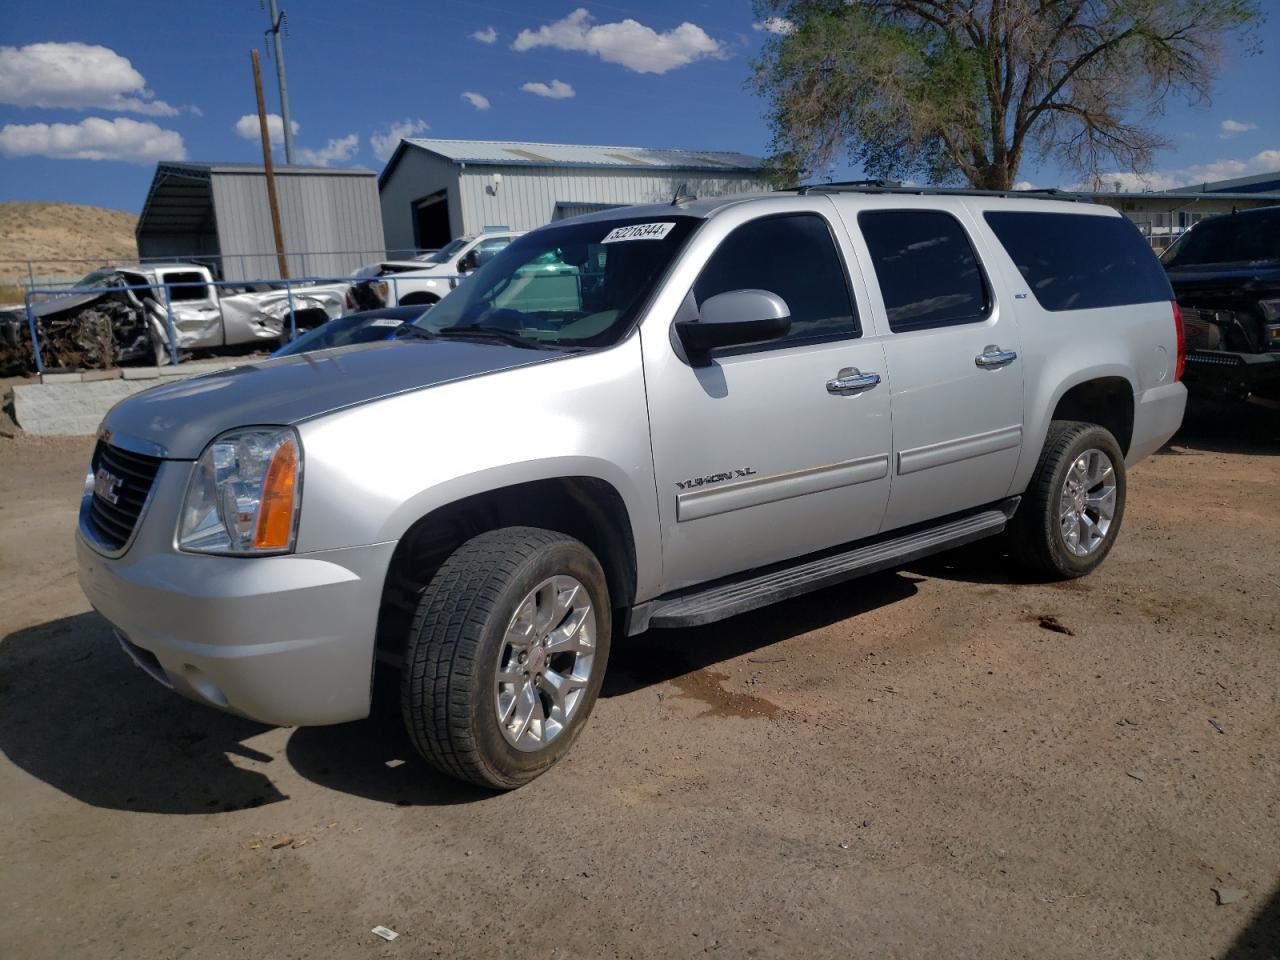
757, 588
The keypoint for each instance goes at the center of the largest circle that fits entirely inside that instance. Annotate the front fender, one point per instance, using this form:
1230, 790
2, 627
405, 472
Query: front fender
372, 471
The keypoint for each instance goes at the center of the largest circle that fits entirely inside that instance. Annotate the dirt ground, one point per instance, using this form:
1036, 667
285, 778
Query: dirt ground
943, 761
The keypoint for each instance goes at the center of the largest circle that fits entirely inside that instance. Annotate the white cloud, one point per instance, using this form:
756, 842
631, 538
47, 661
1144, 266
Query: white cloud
555, 90
337, 150
487, 35
778, 25
94, 138
477, 100
248, 128
627, 42
385, 141
1225, 169
75, 75
1025, 185
1230, 128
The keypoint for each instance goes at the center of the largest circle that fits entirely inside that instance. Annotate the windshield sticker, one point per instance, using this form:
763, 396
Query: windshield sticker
386, 322
638, 231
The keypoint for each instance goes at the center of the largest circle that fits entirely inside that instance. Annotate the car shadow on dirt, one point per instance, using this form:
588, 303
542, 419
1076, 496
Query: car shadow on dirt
1210, 426
1261, 936
660, 656
78, 715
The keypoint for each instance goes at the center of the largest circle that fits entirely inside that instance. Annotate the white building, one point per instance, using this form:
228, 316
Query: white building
435, 190
1164, 215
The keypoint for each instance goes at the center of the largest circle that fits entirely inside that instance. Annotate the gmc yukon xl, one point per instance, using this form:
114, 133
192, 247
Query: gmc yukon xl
742, 400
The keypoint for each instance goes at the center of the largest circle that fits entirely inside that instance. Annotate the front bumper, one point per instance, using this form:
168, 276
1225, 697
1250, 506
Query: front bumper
283, 640
1223, 372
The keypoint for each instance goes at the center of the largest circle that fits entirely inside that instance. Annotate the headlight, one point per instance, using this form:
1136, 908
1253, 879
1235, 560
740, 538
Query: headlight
243, 497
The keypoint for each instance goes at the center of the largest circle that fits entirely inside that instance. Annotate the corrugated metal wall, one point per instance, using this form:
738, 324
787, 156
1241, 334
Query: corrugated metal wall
527, 196
417, 174
319, 213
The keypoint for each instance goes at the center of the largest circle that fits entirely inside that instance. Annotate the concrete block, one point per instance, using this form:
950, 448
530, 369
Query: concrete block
60, 378
140, 373
69, 409
89, 376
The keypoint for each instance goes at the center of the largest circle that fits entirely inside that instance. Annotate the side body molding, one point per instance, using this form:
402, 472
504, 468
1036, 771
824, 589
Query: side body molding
753, 491
962, 448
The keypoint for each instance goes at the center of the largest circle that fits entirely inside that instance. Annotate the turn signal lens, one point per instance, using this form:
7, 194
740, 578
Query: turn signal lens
275, 515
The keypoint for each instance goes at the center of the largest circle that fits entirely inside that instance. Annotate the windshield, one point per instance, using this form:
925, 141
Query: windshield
351, 329
577, 285
445, 253
1249, 238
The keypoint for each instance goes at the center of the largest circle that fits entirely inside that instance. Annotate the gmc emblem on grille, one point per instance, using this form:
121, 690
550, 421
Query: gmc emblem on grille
105, 484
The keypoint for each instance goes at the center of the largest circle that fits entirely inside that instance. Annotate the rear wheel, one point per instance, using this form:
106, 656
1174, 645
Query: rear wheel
506, 656
1070, 515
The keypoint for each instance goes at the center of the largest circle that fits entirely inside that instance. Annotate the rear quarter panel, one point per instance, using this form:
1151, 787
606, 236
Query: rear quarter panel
1061, 349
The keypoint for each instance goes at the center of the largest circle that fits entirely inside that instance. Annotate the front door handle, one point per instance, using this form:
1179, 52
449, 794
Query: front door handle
993, 356
852, 380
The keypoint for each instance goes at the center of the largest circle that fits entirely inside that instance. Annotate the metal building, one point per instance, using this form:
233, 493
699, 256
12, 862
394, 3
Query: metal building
435, 190
217, 213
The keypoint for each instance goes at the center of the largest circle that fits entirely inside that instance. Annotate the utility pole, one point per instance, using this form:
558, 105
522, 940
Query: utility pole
269, 168
277, 21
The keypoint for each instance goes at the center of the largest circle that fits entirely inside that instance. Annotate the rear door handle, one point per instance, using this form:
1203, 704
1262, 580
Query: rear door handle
993, 356
852, 380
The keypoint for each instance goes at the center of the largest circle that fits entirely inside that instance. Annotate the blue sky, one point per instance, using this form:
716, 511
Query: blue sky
174, 79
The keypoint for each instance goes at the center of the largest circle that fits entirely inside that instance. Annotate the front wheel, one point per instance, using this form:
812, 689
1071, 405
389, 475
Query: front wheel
506, 656
1070, 515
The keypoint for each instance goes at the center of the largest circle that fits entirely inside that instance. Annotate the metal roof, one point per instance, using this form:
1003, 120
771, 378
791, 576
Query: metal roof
198, 169
514, 153
1184, 194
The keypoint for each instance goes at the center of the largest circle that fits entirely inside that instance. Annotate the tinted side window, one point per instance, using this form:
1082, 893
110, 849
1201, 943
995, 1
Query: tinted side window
929, 275
794, 257
1075, 261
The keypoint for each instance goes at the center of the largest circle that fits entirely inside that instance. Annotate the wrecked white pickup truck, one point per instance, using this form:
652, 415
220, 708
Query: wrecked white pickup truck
102, 322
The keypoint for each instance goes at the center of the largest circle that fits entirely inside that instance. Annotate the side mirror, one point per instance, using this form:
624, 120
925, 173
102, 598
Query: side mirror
467, 263
733, 318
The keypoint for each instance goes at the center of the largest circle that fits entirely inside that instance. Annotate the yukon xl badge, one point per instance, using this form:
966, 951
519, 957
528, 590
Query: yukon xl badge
734, 474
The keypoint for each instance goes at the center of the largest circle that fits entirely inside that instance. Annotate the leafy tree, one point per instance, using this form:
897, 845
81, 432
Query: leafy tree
953, 90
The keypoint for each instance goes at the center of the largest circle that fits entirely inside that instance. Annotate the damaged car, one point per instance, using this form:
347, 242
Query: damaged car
1225, 273
121, 315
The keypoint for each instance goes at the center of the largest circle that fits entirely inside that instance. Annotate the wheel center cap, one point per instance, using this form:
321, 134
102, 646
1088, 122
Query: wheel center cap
537, 660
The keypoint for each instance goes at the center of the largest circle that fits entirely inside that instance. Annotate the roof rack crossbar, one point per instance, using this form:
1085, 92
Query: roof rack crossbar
882, 186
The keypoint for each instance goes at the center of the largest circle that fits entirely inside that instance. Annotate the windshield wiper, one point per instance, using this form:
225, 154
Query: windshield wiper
413, 333
495, 333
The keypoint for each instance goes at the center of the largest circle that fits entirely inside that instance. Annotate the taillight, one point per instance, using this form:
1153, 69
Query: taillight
1182, 343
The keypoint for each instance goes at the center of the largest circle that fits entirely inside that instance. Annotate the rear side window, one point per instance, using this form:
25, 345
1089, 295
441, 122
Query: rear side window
794, 257
1076, 261
186, 286
929, 275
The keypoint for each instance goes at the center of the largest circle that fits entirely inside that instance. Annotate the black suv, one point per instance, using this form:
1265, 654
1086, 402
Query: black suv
1225, 273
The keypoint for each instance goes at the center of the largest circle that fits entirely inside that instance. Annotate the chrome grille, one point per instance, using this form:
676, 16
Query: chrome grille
113, 523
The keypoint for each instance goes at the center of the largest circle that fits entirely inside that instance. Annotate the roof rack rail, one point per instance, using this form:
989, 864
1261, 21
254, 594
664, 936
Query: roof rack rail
888, 186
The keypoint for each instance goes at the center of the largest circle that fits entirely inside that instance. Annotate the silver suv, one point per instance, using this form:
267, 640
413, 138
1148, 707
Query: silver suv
649, 417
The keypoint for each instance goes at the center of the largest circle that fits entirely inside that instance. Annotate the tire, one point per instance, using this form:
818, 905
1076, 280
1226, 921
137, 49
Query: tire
478, 601
1038, 535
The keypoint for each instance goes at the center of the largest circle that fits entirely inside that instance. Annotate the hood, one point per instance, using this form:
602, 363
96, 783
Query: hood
183, 417
1225, 276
